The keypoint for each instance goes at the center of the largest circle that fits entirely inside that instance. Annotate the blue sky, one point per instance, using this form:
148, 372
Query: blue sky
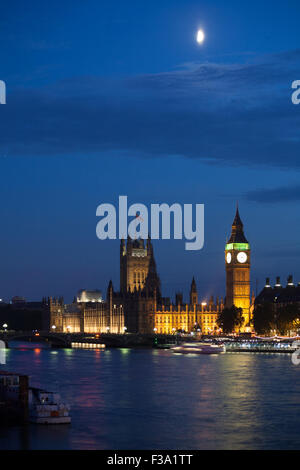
110, 98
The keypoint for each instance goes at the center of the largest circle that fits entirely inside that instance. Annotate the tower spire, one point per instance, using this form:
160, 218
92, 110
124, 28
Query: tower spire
193, 293
237, 232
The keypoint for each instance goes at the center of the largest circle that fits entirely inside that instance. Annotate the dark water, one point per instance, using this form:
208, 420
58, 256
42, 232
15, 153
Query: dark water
139, 399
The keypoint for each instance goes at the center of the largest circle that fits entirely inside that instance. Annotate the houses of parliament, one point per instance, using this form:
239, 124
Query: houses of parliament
139, 307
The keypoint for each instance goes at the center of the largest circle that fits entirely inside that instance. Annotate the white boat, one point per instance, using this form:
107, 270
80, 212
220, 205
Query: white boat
199, 348
47, 408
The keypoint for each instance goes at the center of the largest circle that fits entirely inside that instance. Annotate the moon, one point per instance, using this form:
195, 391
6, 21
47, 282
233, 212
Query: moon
200, 36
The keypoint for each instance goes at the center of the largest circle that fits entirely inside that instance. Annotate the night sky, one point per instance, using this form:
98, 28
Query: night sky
117, 98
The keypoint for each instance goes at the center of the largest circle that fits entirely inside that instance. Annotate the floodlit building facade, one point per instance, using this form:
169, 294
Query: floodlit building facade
139, 307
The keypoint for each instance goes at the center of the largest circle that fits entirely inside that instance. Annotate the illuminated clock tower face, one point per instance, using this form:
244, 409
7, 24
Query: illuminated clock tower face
228, 258
242, 257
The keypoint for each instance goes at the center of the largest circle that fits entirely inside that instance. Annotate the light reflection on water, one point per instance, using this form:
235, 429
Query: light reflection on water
139, 399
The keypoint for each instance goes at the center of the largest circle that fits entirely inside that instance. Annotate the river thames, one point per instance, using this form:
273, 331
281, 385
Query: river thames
153, 399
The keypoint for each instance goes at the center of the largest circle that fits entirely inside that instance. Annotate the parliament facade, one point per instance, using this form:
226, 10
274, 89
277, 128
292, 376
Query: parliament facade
139, 307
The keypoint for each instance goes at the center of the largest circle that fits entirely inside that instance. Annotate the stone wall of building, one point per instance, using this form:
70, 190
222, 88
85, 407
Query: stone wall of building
86, 317
188, 318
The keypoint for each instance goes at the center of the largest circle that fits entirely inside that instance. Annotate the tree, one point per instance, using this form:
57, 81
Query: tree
264, 319
230, 319
287, 317
282, 319
196, 327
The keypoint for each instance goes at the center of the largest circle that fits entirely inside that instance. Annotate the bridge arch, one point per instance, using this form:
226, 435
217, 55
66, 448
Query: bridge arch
52, 339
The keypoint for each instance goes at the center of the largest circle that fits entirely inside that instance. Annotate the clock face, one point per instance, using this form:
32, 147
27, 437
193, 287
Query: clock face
228, 258
242, 257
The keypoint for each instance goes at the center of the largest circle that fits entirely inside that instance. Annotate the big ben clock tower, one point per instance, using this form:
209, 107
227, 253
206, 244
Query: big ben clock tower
237, 262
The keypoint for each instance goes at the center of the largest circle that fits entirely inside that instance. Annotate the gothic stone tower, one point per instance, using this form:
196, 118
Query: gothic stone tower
237, 262
137, 266
193, 293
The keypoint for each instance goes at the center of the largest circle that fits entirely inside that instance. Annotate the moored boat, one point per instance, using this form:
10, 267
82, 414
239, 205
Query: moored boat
21, 403
199, 348
47, 408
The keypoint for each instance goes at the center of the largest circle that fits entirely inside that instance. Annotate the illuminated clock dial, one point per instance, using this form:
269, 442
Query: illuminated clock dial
228, 258
242, 257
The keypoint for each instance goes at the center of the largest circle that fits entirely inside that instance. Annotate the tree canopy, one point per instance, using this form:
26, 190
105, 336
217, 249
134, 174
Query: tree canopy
269, 317
230, 319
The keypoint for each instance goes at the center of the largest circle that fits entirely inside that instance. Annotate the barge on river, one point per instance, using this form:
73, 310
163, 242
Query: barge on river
20, 403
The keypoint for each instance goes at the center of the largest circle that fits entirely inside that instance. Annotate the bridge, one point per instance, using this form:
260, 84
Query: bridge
55, 340
65, 340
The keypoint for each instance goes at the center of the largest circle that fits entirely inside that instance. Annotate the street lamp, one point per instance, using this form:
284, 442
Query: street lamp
125, 329
5, 326
107, 329
53, 327
155, 329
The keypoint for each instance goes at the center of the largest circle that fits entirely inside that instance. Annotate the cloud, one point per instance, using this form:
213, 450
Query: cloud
233, 114
283, 194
